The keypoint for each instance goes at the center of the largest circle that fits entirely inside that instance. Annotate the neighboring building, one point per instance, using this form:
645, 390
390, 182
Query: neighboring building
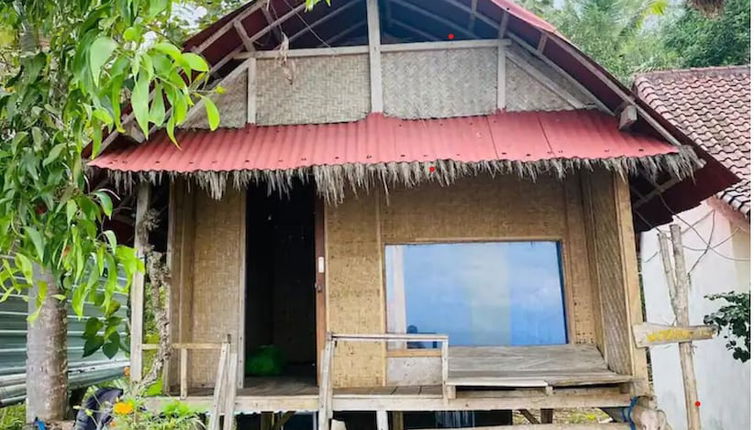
712, 106
407, 174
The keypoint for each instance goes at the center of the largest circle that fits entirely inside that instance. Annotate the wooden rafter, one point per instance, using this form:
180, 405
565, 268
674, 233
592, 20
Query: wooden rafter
321, 20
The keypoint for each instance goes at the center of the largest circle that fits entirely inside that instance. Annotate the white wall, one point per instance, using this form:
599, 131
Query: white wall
723, 383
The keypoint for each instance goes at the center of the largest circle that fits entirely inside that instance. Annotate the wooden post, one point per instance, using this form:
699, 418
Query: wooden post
137, 287
681, 309
375, 61
230, 393
501, 75
546, 416
382, 420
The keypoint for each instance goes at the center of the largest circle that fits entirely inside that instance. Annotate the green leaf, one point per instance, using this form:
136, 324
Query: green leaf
213, 115
93, 326
196, 62
100, 51
105, 202
111, 348
24, 265
157, 6
111, 240
169, 49
53, 154
140, 102
157, 111
36, 239
92, 345
70, 210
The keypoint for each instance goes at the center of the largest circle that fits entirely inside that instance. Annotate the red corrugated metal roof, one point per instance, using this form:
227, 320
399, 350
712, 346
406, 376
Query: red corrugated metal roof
525, 136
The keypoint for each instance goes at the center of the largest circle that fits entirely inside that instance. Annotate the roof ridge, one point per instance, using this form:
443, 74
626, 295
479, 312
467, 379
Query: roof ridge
694, 71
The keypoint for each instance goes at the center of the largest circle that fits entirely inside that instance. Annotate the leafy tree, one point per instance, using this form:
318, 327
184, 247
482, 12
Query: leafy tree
733, 319
618, 34
719, 40
69, 67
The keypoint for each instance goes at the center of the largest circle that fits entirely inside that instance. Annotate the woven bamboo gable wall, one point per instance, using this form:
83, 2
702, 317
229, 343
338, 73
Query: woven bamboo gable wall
416, 85
480, 208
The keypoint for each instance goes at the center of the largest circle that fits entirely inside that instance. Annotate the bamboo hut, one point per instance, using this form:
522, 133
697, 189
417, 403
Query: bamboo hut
417, 206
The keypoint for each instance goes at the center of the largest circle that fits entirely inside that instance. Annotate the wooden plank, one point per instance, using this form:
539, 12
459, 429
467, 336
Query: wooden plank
410, 353
320, 279
444, 45
501, 103
184, 373
225, 28
324, 387
648, 334
529, 416
220, 381
375, 58
306, 52
297, 9
137, 287
382, 420
247, 43
229, 421
397, 418
595, 426
375, 337
627, 118
251, 90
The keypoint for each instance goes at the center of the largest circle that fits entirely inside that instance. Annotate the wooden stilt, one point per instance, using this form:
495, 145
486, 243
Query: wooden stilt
397, 417
382, 420
546, 416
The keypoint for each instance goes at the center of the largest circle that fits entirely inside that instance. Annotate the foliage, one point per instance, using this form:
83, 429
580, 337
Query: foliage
130, 413
702, 41
74, 64
733, 319
616, 33
12, 417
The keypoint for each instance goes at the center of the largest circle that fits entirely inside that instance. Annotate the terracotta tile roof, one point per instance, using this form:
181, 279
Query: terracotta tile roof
712, 106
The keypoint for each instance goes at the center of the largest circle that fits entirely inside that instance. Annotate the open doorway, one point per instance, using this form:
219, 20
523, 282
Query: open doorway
281, 342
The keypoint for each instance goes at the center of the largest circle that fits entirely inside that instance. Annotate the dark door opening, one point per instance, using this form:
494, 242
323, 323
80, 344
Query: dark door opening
280, 289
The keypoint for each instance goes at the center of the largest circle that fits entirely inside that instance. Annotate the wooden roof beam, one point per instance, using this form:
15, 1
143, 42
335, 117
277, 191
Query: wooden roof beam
321, 20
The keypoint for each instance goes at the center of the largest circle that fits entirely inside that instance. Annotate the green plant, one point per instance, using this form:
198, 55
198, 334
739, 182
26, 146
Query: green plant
130, 414
732, 319
12, 417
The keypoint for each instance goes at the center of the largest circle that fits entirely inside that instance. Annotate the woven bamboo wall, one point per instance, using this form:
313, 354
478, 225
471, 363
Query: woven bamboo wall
207, 261
321, 90
440, 84
480, 208
519, 83
615, 270
231, 104
355, 296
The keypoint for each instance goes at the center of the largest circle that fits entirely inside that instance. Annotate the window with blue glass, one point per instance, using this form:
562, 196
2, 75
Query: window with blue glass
479, 294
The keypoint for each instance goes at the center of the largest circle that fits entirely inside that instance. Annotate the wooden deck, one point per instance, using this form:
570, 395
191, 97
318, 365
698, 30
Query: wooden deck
499, 378
417, 398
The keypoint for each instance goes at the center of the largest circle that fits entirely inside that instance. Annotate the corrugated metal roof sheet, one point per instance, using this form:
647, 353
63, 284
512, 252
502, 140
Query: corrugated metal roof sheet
524, 136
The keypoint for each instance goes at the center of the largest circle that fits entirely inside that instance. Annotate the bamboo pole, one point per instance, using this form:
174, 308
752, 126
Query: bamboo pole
681, 309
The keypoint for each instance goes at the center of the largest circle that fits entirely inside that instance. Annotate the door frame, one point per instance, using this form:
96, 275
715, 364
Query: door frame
320, 283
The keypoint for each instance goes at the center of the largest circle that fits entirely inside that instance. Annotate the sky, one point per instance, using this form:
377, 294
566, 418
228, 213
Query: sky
482, 294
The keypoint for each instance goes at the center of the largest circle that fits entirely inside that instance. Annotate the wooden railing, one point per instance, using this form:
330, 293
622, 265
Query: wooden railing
224, 394
325, 384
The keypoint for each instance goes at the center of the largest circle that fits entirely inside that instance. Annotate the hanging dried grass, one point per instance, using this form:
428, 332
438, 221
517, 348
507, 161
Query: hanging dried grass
332, 181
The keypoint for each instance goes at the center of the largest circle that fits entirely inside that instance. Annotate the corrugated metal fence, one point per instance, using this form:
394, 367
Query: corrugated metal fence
82, 372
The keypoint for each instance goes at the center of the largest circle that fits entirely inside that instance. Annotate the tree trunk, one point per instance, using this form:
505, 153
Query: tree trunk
46, 354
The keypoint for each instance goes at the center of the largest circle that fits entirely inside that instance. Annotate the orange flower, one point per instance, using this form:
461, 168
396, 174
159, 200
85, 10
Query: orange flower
123, 408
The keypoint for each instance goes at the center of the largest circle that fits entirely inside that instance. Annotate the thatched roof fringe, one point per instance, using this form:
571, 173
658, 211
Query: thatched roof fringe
333, 181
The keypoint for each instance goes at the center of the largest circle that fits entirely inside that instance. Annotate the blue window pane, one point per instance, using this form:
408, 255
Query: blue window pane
479, 294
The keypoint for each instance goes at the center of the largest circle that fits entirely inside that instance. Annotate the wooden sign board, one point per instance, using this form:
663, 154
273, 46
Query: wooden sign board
648, 334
